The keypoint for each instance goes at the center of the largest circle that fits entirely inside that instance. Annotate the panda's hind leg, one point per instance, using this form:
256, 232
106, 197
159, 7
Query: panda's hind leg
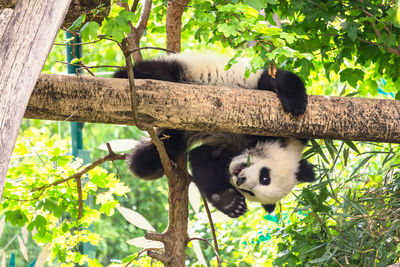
144, 161
210, 174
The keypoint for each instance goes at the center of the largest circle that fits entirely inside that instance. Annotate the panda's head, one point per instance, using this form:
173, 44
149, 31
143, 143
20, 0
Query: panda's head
270, 170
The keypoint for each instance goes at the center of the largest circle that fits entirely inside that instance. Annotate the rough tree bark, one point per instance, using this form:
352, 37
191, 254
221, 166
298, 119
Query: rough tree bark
175, 10
25, 43
76, 8
212, 108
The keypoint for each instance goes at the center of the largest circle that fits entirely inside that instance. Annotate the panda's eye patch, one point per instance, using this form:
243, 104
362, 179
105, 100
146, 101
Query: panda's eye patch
239, 168
265, 179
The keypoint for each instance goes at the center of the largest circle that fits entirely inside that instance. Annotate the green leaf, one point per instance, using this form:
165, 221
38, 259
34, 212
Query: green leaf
352, 30
16, 217
227, 29
259, 4
397, 97
112, 29
77, 23
128, 15
351, 145
352, 76
52, 206
318, 149
90, 30
362, 163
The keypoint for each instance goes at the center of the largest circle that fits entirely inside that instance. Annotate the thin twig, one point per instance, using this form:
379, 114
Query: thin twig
144, 17
110, 157
85, 68
214, 248
134, 5
166, 163
85, 43
26, 200
80, 199
151, 47
131, 79
90, 67
211, 223
37, 154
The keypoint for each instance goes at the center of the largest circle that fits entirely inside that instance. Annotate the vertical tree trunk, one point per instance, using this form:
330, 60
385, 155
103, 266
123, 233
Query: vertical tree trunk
24, 45
175, 10
175, 238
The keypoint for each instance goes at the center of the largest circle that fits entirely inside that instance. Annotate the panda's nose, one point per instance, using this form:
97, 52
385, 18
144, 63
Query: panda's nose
240, 181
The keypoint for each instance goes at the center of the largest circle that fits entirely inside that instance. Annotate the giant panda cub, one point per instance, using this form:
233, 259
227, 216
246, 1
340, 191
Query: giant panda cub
227, 168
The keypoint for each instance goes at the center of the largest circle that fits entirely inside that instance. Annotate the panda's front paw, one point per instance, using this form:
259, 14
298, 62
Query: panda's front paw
294, 104
230, 202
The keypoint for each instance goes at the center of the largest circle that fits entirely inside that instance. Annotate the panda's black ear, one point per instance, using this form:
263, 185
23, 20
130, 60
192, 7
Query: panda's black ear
305, 172
269, 207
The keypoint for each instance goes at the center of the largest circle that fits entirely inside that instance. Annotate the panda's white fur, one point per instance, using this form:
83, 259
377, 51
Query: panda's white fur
283, 163
210, 69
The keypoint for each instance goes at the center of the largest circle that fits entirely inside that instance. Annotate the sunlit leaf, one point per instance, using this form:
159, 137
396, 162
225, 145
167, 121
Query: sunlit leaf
25, 234
199, 252
142, 242
194, 197
2, 225
120, 145
42, 258
23, 249
136, 219
3, 259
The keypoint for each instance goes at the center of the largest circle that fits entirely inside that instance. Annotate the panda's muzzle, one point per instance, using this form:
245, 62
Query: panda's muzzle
240, 181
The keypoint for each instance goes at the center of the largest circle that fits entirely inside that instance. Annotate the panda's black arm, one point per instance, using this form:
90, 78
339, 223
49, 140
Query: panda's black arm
289, 88
210, 174
156, 69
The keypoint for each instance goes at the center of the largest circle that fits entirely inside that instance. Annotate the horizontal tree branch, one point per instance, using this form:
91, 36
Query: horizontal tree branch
212, 108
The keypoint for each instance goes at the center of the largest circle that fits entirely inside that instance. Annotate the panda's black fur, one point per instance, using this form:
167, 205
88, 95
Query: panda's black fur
226, 167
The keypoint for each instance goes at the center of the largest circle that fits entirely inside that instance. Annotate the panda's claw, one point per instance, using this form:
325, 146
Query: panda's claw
230, 202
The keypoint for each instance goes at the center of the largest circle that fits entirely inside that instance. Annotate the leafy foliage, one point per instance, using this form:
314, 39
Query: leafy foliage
40, 195
331, 37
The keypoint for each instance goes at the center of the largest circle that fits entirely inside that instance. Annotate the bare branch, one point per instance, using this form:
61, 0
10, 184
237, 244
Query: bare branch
214, 248
80, 200
155, 255
151, 47
89, 67
210, 220
109, 157
392, 50
166, 163
144, 17
134, 5
155, 236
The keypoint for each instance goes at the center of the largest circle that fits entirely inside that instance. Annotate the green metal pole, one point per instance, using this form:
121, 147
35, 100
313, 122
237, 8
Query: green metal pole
75, 51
